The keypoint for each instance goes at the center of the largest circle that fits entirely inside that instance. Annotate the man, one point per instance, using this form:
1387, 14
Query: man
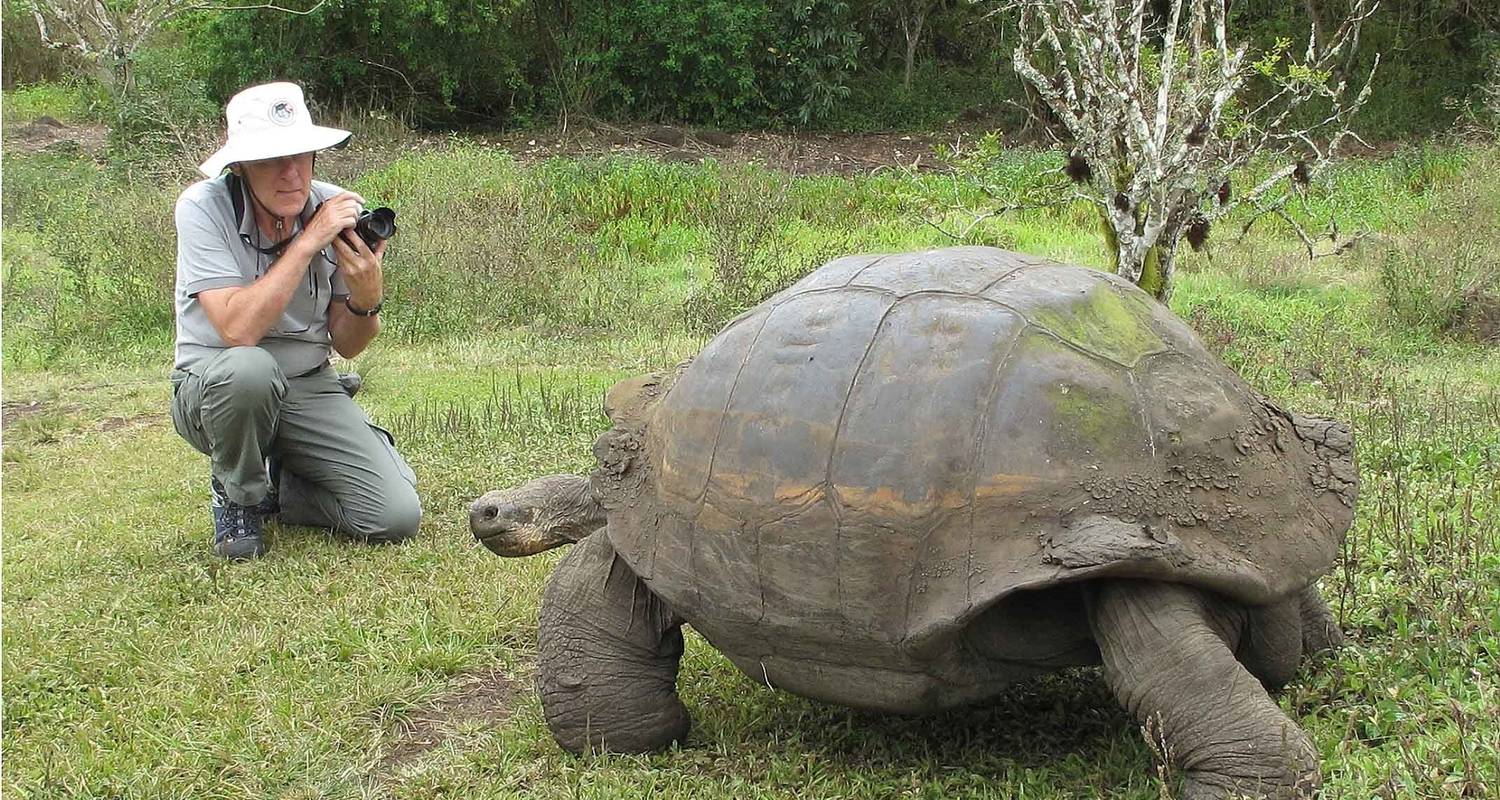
271, 278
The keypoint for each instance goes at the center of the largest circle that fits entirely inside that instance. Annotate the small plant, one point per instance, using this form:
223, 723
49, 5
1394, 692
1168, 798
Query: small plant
746, 246
1161, 755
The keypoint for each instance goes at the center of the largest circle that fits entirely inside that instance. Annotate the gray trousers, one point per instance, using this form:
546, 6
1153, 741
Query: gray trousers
338, 469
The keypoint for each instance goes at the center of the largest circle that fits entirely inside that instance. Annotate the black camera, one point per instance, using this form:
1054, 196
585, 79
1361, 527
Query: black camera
375, 225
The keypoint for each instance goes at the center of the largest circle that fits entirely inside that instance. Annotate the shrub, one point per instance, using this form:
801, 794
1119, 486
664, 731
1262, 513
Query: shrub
1444, 274
437, 63
727, 63
95, 264
165, 123
752, 253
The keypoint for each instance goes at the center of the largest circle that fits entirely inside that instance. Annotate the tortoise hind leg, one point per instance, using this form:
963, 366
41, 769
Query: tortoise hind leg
1271, 644
1168, 653
1279, 637
608, 650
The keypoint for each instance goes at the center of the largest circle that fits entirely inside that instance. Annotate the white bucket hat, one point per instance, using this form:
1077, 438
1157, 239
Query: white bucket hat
269, 121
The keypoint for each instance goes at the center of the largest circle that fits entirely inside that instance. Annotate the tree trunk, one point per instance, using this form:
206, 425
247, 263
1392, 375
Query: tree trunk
1153, 273
913, 38
1156, 273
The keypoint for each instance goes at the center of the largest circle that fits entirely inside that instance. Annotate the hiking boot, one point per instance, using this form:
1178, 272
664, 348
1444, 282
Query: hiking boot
351, 382
237, 532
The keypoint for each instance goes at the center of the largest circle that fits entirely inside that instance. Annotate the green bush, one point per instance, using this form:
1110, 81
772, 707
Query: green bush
436, 63
724, 62
744, 63
443, 64
165, 122
938, 97
677, 60
1443, 275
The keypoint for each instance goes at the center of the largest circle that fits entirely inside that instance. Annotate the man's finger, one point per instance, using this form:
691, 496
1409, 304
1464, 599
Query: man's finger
345, 252
357, 243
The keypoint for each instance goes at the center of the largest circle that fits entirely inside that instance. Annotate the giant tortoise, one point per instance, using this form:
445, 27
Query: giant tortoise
909, 480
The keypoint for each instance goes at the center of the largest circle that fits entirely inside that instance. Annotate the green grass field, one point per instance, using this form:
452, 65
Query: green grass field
137, 665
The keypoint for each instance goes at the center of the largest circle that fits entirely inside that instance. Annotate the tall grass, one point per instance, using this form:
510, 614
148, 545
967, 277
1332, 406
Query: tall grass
606, 245
1442, 273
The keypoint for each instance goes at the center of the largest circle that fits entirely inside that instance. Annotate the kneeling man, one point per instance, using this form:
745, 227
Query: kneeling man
271, 279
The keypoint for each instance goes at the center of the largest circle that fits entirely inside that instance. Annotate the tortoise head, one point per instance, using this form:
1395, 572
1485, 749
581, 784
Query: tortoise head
536, 516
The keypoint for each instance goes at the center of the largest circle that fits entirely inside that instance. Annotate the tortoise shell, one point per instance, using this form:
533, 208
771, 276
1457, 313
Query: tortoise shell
855, 469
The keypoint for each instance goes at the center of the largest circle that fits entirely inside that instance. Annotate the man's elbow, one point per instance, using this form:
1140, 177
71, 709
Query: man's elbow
233, 338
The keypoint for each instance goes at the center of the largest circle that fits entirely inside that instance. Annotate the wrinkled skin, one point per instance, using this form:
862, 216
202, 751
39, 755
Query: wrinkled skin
1195, 666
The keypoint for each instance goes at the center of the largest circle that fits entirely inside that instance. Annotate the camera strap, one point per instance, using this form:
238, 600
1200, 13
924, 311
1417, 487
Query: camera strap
237, 192
238, 189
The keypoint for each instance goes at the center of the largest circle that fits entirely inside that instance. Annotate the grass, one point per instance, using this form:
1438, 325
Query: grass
79, 101
139, 666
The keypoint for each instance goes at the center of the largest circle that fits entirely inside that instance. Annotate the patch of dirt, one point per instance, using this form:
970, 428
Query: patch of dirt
482, 697
46, 133
12, 411
1480, 317
795, 153
116, 423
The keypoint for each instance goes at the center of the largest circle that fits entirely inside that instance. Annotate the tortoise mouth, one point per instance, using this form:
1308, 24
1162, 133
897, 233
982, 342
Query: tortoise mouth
496, 541
493, 526
505, 539
506, 536
506, 543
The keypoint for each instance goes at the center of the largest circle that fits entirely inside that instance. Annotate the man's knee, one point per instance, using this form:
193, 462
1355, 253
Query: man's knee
245, 377
396, 518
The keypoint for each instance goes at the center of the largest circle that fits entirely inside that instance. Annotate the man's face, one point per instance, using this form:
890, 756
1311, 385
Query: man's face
281, 184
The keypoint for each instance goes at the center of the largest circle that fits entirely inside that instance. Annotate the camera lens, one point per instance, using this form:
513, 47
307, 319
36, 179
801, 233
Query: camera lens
375, 225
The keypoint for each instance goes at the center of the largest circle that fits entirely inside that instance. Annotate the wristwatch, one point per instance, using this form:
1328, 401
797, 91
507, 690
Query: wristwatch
359, 312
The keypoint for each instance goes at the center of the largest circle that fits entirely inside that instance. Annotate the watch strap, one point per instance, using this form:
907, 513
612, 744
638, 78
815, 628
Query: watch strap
359, 312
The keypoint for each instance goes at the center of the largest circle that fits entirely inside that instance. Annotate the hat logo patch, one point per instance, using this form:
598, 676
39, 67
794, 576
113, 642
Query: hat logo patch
282, 112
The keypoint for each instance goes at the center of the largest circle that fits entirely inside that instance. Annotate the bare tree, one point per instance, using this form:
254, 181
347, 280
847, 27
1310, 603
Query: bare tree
109, 32
1160, 115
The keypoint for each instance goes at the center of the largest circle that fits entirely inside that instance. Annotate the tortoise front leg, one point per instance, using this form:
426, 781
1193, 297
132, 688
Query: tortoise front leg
608, 653
1320, 629
1168, 655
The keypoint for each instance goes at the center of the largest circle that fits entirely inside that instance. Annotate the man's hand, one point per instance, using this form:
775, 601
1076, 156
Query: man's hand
360, 266
336, 215
361, 269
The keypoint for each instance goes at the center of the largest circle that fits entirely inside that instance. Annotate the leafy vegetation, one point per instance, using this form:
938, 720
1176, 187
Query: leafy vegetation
833, 64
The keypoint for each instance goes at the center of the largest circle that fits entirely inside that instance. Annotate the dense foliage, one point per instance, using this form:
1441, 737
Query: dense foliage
731, 63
